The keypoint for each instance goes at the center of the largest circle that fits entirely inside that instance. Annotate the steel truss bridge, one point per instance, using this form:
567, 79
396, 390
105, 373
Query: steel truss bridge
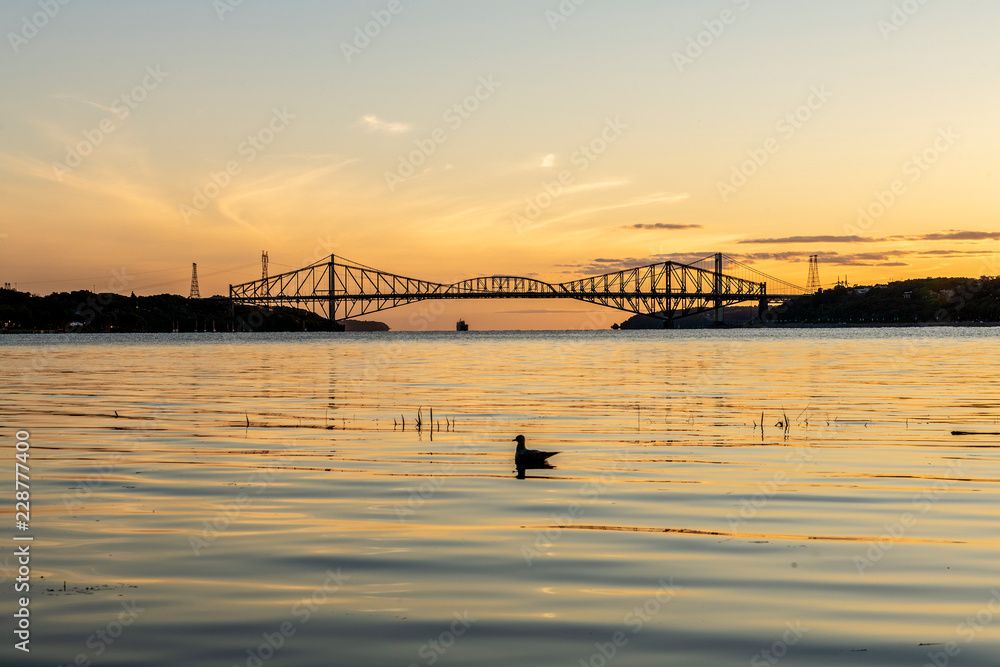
339, 289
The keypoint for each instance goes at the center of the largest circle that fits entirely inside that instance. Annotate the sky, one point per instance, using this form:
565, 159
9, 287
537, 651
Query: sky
445, 140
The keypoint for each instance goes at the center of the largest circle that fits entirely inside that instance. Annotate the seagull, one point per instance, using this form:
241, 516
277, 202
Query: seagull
524, 458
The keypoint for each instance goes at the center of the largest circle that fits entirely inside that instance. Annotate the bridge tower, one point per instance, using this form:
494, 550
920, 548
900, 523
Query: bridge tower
263, 265
813, 285
195, 294
717, 288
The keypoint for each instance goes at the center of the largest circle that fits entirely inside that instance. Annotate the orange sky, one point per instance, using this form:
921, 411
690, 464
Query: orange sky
465, 139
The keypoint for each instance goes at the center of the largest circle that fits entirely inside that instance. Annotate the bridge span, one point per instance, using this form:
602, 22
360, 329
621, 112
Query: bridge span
340, 289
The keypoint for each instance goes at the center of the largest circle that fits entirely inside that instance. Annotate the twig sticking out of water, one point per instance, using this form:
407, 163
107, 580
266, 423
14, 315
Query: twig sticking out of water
245, 414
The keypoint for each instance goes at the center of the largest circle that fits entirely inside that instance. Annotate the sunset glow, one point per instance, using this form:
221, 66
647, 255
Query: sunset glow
448, 140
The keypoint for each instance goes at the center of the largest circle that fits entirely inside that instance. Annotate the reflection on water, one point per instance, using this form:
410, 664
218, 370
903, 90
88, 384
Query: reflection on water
732, 497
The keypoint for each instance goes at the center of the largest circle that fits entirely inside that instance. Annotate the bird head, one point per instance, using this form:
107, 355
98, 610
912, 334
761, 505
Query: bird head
520, 441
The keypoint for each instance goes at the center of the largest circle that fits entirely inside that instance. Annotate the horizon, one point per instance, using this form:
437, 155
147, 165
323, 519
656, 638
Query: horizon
445, 141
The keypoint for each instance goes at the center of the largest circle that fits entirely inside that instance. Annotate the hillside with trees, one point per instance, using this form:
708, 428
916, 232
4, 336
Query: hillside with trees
927, 300
86, 312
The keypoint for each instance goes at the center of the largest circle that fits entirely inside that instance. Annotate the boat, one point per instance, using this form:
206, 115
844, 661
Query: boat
461, 326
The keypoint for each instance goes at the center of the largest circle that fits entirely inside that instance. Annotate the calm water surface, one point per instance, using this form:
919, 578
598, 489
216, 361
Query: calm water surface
246, 500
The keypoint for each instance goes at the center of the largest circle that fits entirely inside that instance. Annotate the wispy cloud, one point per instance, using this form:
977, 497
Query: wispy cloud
951, 235
664, 226
586, 187
548, 161
82, 100
375, 124
815, 239
888, 258
641, 201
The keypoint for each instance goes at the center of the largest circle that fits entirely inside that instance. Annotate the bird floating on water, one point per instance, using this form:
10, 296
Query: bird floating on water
524, 457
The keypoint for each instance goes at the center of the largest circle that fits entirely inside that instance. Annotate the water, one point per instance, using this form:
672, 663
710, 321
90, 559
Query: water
257, 499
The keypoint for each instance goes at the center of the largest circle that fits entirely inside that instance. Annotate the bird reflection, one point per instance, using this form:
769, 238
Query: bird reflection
532, 466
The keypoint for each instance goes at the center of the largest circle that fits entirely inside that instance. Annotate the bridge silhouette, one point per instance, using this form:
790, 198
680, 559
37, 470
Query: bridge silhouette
340, 289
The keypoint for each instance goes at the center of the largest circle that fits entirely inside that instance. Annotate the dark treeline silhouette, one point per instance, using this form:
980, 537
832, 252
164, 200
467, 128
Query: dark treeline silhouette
926, 300
86, 312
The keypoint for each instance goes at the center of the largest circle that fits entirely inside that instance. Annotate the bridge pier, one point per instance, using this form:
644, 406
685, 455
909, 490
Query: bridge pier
763, 304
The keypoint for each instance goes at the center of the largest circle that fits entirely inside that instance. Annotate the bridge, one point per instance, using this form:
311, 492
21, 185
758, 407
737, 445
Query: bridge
340, 289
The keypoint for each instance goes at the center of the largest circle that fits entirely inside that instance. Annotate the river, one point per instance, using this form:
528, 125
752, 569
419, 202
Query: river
736, 497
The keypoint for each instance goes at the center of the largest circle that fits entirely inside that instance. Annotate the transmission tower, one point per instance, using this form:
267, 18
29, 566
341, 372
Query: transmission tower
195, 294
263, 265
813, 285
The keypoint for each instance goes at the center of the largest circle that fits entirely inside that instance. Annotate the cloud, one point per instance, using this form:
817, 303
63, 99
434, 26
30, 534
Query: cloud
586, 187
888, 258
816, 239
80, 98
951, 235
376, 124
641, 201
548, 161
664, 225
603, 265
